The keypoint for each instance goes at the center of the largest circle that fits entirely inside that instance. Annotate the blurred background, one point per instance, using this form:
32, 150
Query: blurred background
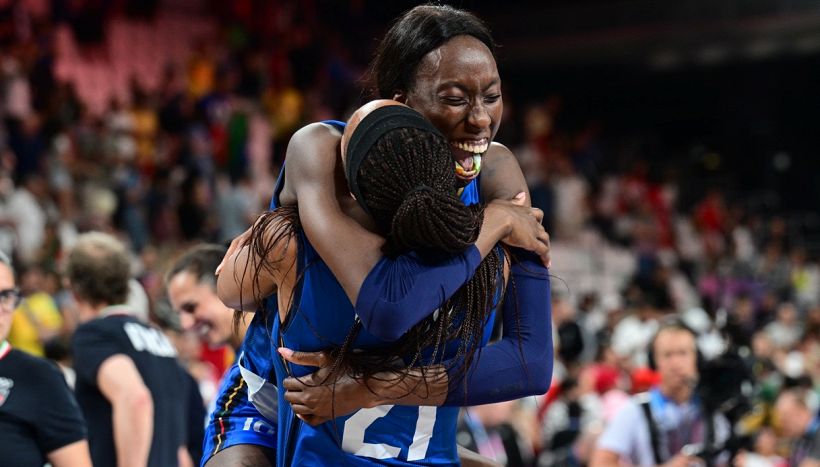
672, 146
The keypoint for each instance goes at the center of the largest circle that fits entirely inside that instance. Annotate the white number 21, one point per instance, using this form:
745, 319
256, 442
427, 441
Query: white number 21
355, 426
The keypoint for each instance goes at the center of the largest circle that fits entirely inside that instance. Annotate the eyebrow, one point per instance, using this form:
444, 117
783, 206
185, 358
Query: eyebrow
459, 85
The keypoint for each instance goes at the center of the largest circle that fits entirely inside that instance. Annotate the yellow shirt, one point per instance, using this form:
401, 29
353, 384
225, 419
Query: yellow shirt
36, 317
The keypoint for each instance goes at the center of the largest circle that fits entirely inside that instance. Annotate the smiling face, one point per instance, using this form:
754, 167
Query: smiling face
458, 89
200, 309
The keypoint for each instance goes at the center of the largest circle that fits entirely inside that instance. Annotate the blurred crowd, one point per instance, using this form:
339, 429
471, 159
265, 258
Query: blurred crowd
193, 156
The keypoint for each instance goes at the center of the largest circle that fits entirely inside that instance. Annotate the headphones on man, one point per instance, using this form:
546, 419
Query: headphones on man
672, 323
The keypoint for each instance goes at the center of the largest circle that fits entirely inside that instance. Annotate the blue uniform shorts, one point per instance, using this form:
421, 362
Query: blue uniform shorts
235, 420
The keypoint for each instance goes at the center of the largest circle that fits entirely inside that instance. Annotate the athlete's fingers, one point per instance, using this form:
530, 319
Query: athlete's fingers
544, 238
538, 214
294, 397
541, 247
301, 409
317, 359
297, 384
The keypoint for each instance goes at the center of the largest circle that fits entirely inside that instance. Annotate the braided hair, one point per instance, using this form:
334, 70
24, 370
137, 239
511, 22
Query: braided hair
408, 185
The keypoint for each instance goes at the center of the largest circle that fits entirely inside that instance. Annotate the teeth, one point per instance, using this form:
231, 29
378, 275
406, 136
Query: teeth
202, 329
473, 148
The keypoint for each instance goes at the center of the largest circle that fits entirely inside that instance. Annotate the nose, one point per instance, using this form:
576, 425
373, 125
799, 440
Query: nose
479, 117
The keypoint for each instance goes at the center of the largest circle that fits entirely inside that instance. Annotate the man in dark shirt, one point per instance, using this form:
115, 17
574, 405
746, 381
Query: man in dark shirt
39, 418
129, 385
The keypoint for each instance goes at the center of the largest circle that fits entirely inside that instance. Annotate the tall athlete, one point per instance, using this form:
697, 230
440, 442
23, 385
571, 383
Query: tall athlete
438, 60
396, 146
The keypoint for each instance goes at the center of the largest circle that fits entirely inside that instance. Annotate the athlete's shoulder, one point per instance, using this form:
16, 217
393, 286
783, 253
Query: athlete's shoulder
322, 130
497, 150
316, 143
501, 176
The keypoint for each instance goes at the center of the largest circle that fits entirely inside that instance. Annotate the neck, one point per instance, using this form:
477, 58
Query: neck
87, 311
236, 339
678, 394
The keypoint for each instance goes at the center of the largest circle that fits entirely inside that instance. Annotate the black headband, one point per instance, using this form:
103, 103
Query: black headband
372, 127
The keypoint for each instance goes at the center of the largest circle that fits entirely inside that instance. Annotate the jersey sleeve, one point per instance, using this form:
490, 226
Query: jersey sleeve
520, 364
92, 345
59, 420
398, 293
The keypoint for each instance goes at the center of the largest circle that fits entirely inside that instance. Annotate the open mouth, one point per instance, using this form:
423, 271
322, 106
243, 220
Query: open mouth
467, 155
202, 329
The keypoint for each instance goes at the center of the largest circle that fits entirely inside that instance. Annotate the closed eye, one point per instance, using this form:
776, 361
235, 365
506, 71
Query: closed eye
453, 100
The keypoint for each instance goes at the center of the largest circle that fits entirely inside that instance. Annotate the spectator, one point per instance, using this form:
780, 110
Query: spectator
129, 384
796, 410
37, 319
39, 417
786, 330
192, 291
653, 430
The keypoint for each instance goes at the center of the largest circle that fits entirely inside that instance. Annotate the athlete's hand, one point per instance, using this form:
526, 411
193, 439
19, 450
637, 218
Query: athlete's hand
317, 398
526, 230
236, 244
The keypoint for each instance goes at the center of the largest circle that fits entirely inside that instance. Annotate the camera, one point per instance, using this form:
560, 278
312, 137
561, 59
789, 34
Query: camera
723, 388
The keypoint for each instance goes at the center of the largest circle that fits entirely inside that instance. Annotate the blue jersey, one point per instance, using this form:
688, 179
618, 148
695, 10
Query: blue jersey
320, 317
255, 353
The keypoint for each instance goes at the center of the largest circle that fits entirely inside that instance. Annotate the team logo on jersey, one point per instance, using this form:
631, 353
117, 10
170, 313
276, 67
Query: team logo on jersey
5, 387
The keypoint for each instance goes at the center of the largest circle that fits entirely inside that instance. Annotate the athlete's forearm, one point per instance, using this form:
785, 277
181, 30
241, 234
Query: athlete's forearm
521, 363
398, 293
518, 365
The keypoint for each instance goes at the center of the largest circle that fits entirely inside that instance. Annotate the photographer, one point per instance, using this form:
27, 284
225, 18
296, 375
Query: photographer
667, 425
